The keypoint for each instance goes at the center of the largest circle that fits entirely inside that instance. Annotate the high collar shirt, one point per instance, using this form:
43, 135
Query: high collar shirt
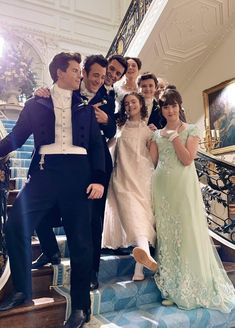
62, 100
149, 106
84, 92
108, 88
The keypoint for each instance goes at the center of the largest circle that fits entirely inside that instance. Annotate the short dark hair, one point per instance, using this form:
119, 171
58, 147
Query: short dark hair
137, 60
61, 61
170, 86
94, 59
147, 76
122, 60
122, 116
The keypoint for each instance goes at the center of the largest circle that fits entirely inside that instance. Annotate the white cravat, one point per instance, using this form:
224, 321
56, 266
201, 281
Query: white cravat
84, 92
63, 125
108, 88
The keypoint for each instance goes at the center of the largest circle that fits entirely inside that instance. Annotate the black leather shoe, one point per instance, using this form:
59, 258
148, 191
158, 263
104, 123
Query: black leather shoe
94, 281
78, 318
15, 300
43, 259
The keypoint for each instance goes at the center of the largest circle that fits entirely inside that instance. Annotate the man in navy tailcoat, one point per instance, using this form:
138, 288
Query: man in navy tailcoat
67, 172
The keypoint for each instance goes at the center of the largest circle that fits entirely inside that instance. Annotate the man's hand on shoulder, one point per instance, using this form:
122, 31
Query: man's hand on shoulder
42, 92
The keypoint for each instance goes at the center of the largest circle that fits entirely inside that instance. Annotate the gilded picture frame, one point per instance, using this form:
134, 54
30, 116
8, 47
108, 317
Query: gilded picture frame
219, 105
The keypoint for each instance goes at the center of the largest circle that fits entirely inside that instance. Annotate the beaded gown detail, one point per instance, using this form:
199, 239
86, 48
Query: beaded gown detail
190, 271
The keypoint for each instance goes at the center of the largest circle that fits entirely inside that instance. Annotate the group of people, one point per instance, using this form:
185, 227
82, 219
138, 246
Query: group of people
147, 195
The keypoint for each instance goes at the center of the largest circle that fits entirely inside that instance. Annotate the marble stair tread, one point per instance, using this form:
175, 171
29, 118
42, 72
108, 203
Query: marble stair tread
9, 122
108, 270
26, 147
20, 162
111, 267
18, 172
21, 154
117, 294
123, 293
154, 315
17, 182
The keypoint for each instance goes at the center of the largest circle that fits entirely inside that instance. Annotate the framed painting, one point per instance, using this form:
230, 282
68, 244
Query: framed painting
219, 104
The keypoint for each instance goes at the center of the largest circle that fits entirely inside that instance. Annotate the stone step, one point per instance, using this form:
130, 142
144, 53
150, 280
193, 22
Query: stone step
8, 123
154, 315
11, 197
117, 291
123, 293
20, 162
42, 280
26, 147
119, 302
118, 294
111, 267
18, 172
21, 154
17, 183
46, 311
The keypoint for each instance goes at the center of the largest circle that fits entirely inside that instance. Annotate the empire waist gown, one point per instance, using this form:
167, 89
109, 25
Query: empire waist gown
128, 212
190, 271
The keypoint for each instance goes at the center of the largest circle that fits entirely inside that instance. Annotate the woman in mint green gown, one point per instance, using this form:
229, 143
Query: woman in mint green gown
190, 273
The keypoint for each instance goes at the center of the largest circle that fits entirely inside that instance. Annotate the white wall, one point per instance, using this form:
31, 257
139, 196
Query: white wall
217, 68
51, 26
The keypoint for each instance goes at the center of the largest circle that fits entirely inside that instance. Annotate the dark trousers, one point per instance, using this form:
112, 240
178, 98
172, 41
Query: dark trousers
98, 208
46, 235
61, 184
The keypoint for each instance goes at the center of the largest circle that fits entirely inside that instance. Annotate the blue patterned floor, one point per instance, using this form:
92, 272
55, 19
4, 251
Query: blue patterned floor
120, 302
156, 315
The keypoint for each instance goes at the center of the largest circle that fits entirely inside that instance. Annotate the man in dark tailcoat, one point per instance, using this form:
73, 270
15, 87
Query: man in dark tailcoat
66, 172
103, 102
97, 89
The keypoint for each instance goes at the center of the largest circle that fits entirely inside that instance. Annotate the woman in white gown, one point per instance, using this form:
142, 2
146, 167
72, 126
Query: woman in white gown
128, 83
128, 215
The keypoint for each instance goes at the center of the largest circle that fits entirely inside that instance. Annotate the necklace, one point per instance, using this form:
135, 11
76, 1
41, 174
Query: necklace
130, 88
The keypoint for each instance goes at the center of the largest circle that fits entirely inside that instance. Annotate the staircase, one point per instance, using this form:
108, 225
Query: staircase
119, 302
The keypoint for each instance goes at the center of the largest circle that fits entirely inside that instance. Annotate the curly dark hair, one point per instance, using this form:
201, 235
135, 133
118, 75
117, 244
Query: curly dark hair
122, 115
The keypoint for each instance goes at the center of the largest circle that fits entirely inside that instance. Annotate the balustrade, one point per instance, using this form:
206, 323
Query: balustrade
217, 179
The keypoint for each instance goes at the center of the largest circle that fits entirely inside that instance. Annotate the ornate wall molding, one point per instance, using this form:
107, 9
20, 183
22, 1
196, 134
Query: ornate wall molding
73, 20
51, 26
